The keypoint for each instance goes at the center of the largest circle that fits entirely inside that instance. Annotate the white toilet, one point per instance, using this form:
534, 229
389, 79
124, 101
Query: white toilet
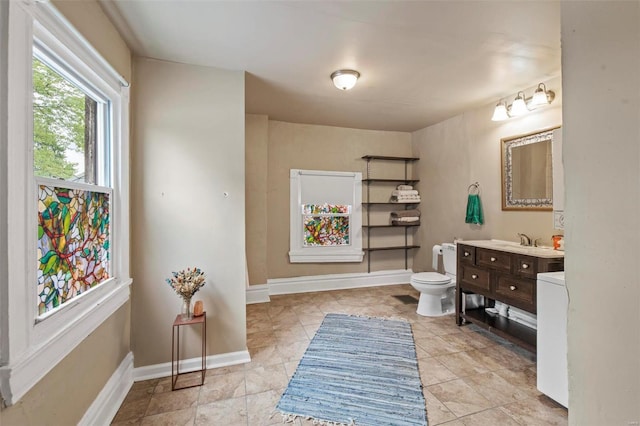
436, 290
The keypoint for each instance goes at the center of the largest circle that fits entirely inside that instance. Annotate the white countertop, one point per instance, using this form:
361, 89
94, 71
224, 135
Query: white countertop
511, 247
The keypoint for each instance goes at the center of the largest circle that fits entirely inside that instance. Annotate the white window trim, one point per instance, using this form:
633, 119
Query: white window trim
31, 349
298, 253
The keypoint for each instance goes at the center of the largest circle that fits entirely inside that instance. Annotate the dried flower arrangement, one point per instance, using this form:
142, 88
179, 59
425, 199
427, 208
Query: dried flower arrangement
187, 282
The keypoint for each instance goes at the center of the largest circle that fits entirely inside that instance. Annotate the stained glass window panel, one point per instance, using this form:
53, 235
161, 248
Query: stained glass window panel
326, 230
326, 209
73, 243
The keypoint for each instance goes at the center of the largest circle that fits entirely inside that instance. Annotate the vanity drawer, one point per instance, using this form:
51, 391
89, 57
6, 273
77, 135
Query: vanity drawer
467, 254
493, 259
517, 291
526, 266
473, 277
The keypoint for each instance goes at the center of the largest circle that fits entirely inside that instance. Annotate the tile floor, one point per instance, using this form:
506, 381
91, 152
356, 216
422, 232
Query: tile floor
470, 378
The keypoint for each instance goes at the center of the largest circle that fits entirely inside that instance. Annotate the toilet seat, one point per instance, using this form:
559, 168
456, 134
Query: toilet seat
433, 278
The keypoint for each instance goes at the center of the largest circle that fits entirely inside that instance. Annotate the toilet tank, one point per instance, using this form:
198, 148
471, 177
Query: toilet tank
449, 258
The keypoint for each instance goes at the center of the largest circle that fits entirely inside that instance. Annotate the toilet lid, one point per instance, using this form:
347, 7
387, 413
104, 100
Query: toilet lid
430, 278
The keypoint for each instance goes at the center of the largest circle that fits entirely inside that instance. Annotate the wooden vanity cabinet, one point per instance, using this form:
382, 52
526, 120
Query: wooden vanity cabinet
500, 276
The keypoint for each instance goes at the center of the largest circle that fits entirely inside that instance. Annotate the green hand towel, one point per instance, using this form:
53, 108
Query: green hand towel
474, 210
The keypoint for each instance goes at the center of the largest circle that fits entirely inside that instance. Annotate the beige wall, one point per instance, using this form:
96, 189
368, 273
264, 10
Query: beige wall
256, 145
89, 19
187, 151
601, 139
66, 392
453, 154
466, 149
312, 147
57, 398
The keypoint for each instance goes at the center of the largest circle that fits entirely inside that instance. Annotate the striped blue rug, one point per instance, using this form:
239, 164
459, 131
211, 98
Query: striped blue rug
358, 371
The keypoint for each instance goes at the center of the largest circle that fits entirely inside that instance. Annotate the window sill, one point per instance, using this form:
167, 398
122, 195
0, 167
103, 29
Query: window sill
333, 256
18, 377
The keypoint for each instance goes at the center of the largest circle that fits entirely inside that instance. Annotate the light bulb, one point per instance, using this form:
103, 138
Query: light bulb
345, 79
500, 113
540, 96
519, 107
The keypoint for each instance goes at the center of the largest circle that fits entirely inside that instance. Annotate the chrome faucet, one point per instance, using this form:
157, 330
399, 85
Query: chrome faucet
525, 240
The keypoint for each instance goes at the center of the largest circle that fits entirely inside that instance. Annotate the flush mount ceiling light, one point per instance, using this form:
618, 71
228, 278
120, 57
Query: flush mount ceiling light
345, 79
522, 105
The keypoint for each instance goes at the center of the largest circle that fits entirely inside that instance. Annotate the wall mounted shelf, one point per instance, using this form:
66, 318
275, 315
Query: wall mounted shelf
372, 181
388, 202
386, 157
392, 180
390, 226
408, 247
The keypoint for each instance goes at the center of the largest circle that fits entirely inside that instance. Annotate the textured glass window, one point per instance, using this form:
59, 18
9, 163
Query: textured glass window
325, 224
73, 243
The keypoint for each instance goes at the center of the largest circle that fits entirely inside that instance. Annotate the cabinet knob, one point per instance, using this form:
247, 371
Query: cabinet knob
493, 259
474, 276
513, 287
525, 266
466, 254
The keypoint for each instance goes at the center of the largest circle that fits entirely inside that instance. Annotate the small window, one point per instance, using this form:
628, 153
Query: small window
325, 216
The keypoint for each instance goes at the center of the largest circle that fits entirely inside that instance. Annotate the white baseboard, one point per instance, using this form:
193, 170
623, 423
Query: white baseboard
338, 281
106, 405
258, 294
192, 364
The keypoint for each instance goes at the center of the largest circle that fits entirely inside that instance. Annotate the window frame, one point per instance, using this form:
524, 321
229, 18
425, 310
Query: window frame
349, 193
31, 348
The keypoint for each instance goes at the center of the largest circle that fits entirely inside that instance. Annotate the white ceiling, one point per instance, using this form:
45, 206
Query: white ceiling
420, 61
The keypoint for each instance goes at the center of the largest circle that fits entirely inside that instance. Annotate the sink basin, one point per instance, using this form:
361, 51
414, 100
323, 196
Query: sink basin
512, 247
507, 245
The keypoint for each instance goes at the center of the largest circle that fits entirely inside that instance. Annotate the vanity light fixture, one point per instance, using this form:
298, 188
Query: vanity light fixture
500, 113
519, 106
522, 105
345, 79
541, 96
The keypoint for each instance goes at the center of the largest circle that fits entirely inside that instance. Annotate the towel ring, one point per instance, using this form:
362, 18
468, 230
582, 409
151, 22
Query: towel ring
473, 186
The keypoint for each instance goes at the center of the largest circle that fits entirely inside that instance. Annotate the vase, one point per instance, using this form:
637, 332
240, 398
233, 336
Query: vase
186, 313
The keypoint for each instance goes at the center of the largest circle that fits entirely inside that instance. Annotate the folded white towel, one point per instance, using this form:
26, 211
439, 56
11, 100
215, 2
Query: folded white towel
407, 219
405, 213
408, 199
405, 222
399, 192
404, 187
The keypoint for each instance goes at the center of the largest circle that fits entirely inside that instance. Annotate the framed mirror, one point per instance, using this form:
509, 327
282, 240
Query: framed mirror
527, 175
